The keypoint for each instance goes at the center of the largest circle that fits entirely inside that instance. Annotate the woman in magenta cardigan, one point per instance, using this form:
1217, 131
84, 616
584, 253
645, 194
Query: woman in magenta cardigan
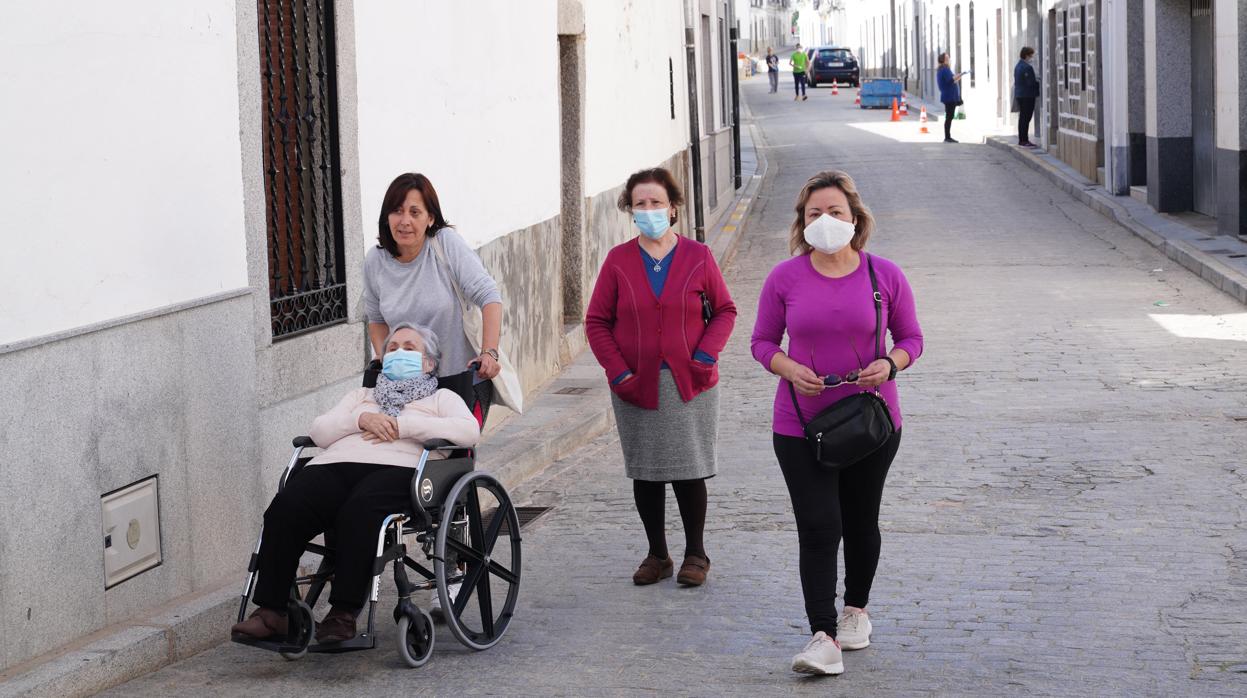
648, 327
823, 299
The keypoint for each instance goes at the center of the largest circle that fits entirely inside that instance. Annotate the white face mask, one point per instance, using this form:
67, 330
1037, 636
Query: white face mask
829, 235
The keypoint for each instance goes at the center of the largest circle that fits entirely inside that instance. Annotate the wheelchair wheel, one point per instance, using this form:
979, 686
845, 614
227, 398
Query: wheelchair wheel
301, 626
415, 639
488, 547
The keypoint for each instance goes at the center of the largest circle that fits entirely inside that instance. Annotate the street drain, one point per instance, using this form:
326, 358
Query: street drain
571, 391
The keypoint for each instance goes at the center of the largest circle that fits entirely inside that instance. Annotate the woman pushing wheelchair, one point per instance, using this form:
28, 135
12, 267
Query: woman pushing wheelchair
372, 441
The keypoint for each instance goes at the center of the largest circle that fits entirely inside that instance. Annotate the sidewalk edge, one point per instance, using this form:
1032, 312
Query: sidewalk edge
1175, 240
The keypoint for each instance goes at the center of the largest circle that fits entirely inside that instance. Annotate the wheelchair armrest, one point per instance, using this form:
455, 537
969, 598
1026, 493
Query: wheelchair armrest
441, 445
303, 442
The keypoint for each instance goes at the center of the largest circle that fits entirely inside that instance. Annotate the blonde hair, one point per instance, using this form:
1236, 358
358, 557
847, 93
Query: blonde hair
841, 180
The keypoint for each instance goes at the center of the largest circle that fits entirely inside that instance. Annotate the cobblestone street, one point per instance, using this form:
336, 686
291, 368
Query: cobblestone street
1067, 514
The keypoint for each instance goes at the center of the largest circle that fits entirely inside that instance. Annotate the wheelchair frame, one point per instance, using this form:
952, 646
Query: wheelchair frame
458, 483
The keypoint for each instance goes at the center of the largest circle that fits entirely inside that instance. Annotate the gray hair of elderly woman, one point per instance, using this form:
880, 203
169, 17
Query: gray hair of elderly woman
432, 350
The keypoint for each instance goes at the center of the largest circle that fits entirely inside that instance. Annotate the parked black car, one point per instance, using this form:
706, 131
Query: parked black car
833, 63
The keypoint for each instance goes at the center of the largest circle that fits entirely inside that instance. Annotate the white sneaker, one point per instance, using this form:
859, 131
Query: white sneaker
853, 629
435, 608
821, 656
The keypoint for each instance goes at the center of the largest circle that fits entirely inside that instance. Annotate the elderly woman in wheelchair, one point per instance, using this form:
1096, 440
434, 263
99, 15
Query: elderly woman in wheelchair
396, 462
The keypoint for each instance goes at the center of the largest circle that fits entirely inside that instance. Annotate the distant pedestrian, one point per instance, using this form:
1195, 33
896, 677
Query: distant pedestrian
950, 95
659, 316
1025, 91
799, 61
772, 69
825, 300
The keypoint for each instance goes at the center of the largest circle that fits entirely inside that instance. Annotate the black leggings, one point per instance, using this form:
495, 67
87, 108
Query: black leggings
651, 504
352, 499
950, 111
829, 505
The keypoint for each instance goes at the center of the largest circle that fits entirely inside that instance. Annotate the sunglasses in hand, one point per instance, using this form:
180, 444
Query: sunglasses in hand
833, 380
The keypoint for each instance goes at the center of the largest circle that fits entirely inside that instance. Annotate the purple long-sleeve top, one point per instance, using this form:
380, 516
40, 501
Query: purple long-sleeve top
831, 329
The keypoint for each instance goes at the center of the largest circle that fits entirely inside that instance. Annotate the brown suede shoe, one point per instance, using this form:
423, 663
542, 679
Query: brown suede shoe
337, 626
652, 569
693, 570
263, 624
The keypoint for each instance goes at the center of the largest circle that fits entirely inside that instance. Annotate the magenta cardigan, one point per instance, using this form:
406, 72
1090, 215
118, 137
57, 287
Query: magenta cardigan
629, 329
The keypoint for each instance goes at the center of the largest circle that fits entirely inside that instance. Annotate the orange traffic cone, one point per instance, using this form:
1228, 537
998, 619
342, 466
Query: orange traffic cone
835, 87
904, 105
858, 100
896, 115
922, 119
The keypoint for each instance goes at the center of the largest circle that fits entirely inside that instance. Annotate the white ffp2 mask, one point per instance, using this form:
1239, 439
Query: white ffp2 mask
829, 235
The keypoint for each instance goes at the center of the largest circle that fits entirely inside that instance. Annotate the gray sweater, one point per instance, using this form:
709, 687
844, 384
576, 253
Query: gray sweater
420, 292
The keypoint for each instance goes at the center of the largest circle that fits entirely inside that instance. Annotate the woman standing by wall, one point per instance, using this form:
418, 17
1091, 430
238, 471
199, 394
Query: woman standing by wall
659, 316
950, 94
825, 300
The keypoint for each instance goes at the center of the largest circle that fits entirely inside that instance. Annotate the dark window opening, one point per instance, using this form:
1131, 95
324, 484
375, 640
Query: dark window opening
972, 79
299, 103
957, 17
671, 85
1082, 48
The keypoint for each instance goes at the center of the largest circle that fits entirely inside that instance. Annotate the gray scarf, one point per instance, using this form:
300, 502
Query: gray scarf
394, 395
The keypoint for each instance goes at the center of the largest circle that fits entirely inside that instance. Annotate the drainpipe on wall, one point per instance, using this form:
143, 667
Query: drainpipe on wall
1115, 96
734, 33
694, 128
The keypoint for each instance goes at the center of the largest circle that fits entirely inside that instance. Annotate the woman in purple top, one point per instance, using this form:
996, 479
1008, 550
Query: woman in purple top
822, 298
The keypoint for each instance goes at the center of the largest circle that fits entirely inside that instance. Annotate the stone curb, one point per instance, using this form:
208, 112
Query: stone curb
1218, 259
567, 412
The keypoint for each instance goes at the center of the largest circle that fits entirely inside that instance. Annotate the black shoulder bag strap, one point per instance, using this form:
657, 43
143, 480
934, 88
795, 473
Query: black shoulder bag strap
878, 299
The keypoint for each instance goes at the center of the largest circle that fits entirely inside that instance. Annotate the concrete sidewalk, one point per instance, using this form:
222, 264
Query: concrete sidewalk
566, 413
1218, 259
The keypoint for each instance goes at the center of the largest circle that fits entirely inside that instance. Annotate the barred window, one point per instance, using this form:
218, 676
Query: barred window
303, 197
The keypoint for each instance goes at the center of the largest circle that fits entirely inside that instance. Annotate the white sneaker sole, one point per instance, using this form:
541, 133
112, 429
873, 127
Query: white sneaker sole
855, 645
805, 666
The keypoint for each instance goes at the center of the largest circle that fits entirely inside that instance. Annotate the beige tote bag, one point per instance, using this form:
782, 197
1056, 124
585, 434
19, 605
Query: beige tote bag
507, 390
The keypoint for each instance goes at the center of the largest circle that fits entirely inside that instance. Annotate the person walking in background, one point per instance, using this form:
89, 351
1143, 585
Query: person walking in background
950, 95
824, 299
799, 61
659, 316
1025, 91
772, 69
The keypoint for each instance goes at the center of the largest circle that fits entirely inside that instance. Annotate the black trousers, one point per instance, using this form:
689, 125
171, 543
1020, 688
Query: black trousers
352, 499
950, 110
1026, 110
830, 505
798, 83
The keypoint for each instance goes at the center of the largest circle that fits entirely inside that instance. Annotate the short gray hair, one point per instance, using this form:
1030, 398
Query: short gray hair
428, 336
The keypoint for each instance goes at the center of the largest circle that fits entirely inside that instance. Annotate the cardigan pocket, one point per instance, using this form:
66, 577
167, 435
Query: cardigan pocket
702, 376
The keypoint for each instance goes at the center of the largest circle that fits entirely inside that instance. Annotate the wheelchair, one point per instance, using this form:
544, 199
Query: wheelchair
465, 529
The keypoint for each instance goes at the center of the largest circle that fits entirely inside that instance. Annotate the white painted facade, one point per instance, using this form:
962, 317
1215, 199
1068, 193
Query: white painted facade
635, 62
452, 90
120, 173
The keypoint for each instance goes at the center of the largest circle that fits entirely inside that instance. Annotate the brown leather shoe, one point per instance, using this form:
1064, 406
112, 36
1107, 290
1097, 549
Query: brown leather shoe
652, 569
337, 626
693, 570
263, 624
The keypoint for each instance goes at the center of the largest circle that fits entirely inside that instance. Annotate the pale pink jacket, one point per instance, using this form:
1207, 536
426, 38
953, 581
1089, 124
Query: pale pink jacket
441, 415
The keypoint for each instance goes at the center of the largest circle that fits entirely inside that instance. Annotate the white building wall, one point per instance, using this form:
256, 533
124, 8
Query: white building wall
120, 174
434, 98
628, 124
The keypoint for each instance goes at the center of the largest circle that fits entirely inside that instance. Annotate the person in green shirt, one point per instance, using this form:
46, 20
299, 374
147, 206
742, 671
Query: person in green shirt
799, 61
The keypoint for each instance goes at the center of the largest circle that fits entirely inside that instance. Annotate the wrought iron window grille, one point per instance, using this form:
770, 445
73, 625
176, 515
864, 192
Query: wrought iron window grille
307, 283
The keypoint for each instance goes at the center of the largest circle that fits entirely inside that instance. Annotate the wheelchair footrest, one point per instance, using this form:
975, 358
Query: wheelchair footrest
270, 645
363, 641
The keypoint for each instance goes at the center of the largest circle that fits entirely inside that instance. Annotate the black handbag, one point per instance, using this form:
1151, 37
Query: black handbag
856, 426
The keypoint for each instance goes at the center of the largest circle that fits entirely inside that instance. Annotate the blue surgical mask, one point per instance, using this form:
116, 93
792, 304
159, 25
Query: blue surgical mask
653, 222
402, 364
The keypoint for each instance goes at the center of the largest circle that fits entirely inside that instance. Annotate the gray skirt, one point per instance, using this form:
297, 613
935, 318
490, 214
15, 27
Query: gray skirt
675, 441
